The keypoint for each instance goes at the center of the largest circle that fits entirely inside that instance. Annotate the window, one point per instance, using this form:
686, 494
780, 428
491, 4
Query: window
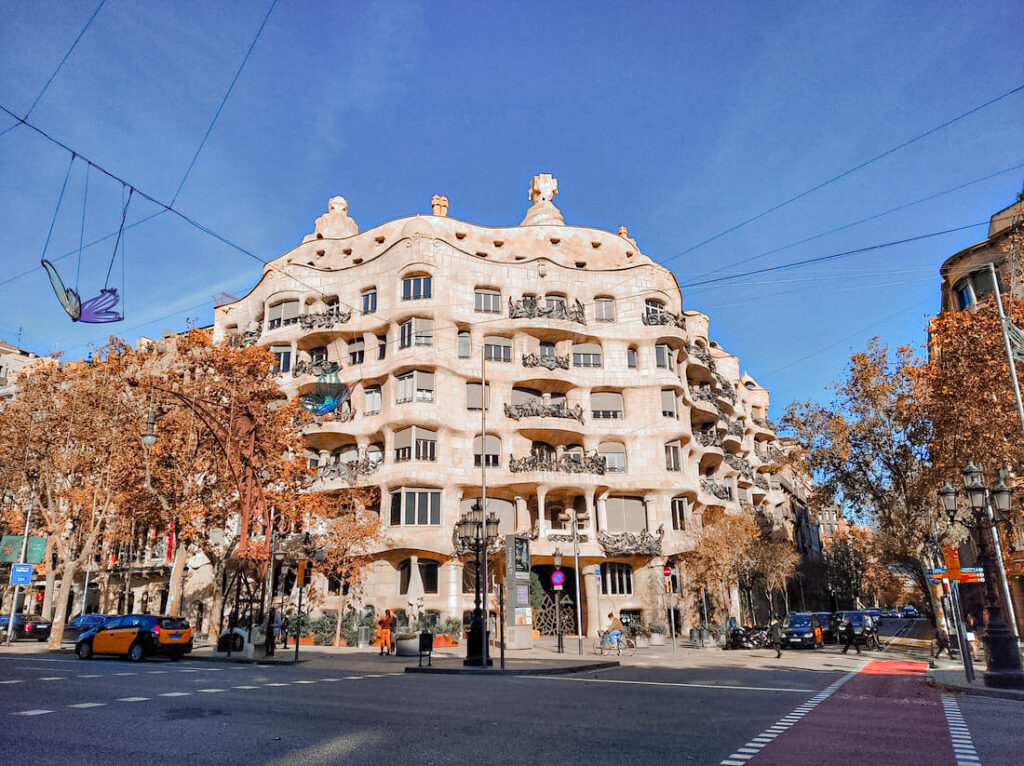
382, 346
283, 355
428, 575
505, 510
475, 396
370, 300
669, 409
416, 507
416, 332
971, 289
347, 453
653, 308
318, 355
672, 456
404, 572
415, 288
521, 395
616, 579
286, 312
663, 356
491, 450
614, 455
680, 513
547, 349
631, 359
355, 351
415, 386
497, 349
586, 355
415, 443
626, 514
371, 400
312, 458
604, 309
487, 301
606, 405
464, 344
555, 301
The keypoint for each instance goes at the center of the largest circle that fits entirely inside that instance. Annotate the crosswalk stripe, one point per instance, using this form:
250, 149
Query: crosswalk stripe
84, 705
133, 699
33, 712
175, 694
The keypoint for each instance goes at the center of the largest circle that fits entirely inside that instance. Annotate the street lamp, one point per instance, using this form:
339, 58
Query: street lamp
558, 601
1004, 667
477, 533
576, 517
149, 438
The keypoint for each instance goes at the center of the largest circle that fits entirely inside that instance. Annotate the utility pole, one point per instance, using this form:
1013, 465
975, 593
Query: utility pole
33, 475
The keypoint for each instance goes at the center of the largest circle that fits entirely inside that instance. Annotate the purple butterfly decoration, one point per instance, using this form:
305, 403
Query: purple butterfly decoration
98, 310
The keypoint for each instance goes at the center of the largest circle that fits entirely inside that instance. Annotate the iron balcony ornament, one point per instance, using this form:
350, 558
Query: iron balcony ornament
739, 464
351, 470
247, 337
325, 320
663, 317
703, 392
559, 538
589, 462
641, 543
317, 369
736, 428
760, 482
709, 438
713, 488
534, 409
547, 362
530, 307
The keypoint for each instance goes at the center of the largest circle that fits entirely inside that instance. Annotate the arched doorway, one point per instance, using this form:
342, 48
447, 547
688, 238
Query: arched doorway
545, 615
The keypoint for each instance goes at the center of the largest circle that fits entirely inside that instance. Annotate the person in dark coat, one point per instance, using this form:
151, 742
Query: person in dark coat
942, 643
850, 636
284, 630
271, 639
776, 636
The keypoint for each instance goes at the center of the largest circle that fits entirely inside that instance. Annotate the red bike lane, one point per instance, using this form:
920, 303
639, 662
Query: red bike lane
884, 713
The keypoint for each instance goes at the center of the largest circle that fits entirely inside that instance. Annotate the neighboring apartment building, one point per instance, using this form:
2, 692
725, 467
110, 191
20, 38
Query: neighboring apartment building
965, 280
604, 397
12, 359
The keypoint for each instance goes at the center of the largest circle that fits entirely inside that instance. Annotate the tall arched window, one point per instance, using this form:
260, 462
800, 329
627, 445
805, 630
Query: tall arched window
416, 287
616, 579
487, 448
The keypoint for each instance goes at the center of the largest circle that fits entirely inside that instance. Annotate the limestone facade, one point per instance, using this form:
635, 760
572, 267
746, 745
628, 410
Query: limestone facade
605, 397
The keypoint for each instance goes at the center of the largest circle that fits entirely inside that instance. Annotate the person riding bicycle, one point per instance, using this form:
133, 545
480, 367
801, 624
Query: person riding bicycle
614, 630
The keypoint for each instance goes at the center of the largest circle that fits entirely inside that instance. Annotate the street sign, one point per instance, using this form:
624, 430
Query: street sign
558, 579
668, 572
10, 549
21, 574
597, 571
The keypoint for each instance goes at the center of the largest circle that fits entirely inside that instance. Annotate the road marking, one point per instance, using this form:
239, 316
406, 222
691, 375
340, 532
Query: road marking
176, 694
133, 699
352, 678
126, 674
33, 712
303, 682
84, 705
13, 681
53, 678
752, 748
212, 691
191, 670
245, 687
157, 672
275, 684
90, 675
659, 683
963, 745
328, 680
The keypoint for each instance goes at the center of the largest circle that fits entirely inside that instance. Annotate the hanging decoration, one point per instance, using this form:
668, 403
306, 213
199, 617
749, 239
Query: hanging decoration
330, 394
98, 310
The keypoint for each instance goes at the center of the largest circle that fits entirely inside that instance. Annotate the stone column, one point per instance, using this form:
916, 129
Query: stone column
593, 613
602, 512
454, 568
650, 511
522, 514
588, 500
542, 523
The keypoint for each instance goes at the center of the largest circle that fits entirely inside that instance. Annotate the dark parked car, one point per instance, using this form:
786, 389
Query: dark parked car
864, 630
802, 629
83, 623
909, 611
137, 636
26, 626
829, 627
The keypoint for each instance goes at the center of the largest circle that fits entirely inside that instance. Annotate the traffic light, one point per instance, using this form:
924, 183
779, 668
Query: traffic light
305, 571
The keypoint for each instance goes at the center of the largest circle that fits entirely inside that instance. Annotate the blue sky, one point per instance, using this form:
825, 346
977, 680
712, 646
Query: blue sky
678, 120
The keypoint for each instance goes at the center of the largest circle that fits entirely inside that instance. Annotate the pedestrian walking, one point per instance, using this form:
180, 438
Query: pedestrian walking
972, 636
776, 636
942, 643
271, 635
384, 626
284, 630
849, 636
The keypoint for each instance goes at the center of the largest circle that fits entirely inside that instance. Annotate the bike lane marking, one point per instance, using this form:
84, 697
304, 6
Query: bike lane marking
886, 703
959, 734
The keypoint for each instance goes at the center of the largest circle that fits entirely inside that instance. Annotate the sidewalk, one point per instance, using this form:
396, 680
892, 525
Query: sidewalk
954, 680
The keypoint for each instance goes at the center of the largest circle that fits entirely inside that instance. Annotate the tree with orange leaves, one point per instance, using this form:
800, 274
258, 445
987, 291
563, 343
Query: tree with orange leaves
721, 555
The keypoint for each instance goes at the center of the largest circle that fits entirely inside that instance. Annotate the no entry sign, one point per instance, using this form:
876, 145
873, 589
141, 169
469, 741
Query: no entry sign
668, 572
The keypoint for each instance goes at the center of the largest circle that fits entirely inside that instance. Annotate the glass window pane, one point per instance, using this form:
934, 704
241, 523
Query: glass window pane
396, 508
435, 508
410, 508
422, 515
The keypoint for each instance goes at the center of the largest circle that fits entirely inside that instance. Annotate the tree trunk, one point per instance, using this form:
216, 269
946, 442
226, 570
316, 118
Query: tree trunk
341, 613
177, 581
57, 627
217, 602
51, 579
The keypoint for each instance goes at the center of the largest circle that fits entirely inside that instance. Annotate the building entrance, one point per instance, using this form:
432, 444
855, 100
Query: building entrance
544, 615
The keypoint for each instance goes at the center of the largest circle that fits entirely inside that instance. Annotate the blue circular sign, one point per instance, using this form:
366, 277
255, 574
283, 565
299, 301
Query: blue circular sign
558, 577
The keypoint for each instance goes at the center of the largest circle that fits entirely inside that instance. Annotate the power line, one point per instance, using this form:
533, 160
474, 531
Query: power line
61, 64
819, 259
222, 102
845, 173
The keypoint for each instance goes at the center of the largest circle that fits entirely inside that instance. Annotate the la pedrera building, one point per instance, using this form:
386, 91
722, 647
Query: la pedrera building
606, 401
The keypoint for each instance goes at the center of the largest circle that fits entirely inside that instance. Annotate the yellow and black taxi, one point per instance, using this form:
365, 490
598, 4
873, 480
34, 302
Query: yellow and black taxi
137, 636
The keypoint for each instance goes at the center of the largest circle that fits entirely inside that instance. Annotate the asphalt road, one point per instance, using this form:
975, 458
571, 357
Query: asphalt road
57, 710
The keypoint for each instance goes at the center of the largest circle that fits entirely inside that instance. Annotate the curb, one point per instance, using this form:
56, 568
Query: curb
473, 671
972, 690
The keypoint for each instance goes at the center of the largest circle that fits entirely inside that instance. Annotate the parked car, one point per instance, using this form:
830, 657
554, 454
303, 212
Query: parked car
83, 623
829, 632
137, 636
909, 612
26, 626
864, 630
876, 614
802, 629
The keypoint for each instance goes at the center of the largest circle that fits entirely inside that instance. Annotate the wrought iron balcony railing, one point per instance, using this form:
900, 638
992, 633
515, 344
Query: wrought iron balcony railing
545, 361
316, 369
589, 462
540, 410
709, 438
662, 317
350, 471
641, 543
712, 487
530, 307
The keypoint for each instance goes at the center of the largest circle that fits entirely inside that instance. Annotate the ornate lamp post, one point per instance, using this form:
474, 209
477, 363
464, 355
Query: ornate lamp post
558, 602
1004, 668
576, 517
477, 534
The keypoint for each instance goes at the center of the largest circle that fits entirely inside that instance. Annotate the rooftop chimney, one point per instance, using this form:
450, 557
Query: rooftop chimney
439, 206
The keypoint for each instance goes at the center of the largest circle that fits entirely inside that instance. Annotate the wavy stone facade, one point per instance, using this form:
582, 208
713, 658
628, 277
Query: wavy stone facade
605, 396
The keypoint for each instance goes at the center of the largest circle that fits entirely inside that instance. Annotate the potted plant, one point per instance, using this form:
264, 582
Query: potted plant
447, 633
640, 633
658, 631
407, 644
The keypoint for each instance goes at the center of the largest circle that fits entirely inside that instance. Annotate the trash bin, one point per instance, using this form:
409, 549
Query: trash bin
364, 635
694, 636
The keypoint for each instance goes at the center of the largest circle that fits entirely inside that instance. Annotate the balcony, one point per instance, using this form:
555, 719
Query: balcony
351, 470
661, 317
547, 362
247, 337
739, 464
325, 320
589, 462
700, 354
530, 307
316, 369
641, 543
540, 410
709, 438
715, 489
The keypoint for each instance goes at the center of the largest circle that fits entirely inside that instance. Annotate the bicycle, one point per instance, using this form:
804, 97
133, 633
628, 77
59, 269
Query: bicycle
626, 646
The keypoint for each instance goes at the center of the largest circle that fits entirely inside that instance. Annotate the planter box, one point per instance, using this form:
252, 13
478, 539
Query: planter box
306, 641
407, 647
657, 639
444, 642
642, 642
